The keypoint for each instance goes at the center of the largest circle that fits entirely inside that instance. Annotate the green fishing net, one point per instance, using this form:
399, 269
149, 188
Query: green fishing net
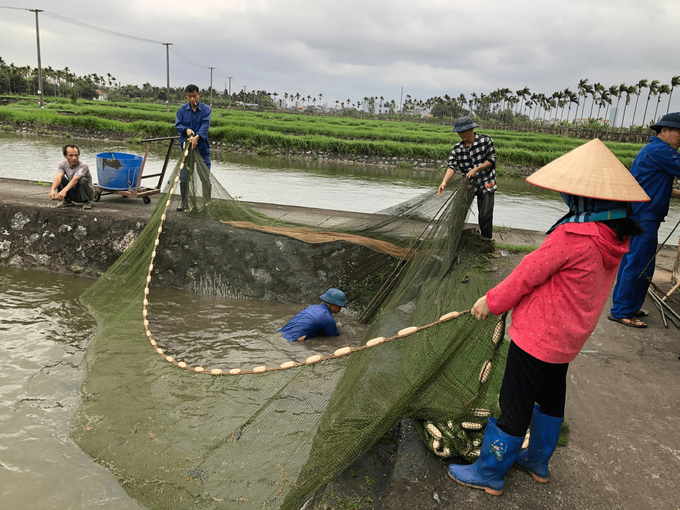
221, 434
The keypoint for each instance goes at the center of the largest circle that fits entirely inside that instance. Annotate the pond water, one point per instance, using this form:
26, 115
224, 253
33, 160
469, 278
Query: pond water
44, 331
337, 186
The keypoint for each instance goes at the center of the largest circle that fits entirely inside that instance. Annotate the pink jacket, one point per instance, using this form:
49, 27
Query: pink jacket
557, 293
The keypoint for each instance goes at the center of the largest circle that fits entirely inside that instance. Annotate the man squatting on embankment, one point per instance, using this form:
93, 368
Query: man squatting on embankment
654, 168
475, 156
73, 182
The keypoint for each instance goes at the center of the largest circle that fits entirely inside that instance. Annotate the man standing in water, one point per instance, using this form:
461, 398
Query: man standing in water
316, 320
475, 156
192, 123
654, 168
73, 182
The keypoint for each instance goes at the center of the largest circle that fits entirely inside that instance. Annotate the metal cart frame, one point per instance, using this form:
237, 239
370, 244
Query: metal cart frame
141, 192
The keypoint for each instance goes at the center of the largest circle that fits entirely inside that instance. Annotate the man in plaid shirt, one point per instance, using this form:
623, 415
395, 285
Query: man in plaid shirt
475, 156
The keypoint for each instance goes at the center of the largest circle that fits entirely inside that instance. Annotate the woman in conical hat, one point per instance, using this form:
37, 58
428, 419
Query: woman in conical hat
557, 294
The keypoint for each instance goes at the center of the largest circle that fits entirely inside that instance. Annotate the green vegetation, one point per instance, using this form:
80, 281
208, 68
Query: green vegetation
515, 248
270, 132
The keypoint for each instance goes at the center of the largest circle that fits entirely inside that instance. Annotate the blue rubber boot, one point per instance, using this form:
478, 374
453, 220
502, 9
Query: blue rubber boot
497, 455
545, 431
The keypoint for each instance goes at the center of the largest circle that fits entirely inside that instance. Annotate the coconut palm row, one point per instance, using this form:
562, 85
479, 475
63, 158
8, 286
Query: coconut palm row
505, 105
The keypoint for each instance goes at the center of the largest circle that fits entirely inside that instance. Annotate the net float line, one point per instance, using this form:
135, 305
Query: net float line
317, 358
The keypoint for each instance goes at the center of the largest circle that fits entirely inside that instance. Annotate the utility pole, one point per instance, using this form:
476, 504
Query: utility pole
40, 81
211, 70
167, 58
229, 91
400, 98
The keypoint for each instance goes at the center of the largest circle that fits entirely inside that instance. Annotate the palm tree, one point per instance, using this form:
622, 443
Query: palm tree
663, 89
598, 88
523, 93
675, 81
619, 91
583, 91
653, 89
571, 98
605, 98
641, 84
613, 92
629, 90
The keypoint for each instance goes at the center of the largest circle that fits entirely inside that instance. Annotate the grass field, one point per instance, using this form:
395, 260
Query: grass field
297, 132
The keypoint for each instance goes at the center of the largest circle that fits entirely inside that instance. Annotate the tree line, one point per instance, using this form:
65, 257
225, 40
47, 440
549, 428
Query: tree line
502, 106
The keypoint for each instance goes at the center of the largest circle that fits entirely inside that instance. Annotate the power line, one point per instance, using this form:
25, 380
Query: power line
98, 29
175, 50
187, 58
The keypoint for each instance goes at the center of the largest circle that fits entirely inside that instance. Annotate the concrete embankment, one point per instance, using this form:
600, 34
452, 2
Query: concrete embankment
215, 259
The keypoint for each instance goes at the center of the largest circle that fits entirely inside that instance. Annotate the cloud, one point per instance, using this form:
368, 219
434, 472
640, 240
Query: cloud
356, 48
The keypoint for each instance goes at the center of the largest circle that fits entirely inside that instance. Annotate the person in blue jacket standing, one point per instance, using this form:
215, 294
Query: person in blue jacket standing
192, 123
654, 168
316, 320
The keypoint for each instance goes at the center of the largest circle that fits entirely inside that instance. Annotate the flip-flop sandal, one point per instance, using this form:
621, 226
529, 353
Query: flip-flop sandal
641, 313
632, 321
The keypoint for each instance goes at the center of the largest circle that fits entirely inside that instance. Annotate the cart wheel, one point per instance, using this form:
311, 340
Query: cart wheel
97, 196
146, 200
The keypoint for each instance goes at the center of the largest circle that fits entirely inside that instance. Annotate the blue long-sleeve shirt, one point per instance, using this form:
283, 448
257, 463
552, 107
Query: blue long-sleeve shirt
198, 121
654, 168
313, 321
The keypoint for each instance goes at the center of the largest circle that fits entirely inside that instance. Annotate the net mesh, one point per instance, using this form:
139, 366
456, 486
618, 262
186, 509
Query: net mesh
181, 435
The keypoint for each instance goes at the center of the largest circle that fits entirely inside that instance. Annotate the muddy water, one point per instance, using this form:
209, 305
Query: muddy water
227, 333
43, 335
44, 332
338, 186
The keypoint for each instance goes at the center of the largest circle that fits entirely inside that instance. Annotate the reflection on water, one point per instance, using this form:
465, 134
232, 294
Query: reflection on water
326, 185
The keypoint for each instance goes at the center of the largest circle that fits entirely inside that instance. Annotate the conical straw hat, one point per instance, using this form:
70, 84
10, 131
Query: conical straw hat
590, 170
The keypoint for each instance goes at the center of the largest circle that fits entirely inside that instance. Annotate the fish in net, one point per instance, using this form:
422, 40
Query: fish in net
216, 434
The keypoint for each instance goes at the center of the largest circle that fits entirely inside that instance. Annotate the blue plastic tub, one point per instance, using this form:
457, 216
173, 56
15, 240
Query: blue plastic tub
118, 171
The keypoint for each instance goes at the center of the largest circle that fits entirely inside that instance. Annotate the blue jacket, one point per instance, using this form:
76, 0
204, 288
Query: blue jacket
654, 168
198, 121
313, 321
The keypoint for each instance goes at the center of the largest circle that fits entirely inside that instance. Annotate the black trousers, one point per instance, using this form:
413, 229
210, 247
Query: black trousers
81, 192
528, 380
485, 213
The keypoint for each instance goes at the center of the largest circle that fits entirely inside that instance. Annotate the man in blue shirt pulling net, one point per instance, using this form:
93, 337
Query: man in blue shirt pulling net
654, 168
316, 320
192, 123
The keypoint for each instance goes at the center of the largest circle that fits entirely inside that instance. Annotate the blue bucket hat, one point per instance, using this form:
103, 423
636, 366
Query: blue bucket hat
464, 124
333, 297
671, 120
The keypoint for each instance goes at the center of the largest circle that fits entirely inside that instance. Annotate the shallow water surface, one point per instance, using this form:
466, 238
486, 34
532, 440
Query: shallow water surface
44, 331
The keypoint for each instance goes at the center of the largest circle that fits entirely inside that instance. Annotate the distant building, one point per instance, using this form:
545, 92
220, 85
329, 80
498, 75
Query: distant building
381, 108
612, 116
419, 111
102, 95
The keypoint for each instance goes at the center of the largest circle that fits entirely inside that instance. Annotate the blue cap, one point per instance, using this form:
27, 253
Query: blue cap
333, 297
671, 120
464, 124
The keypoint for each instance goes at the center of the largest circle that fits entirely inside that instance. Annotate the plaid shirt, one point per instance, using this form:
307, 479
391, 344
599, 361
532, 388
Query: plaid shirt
464, 159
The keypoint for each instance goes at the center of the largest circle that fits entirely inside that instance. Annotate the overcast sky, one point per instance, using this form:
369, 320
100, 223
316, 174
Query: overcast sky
350, 49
